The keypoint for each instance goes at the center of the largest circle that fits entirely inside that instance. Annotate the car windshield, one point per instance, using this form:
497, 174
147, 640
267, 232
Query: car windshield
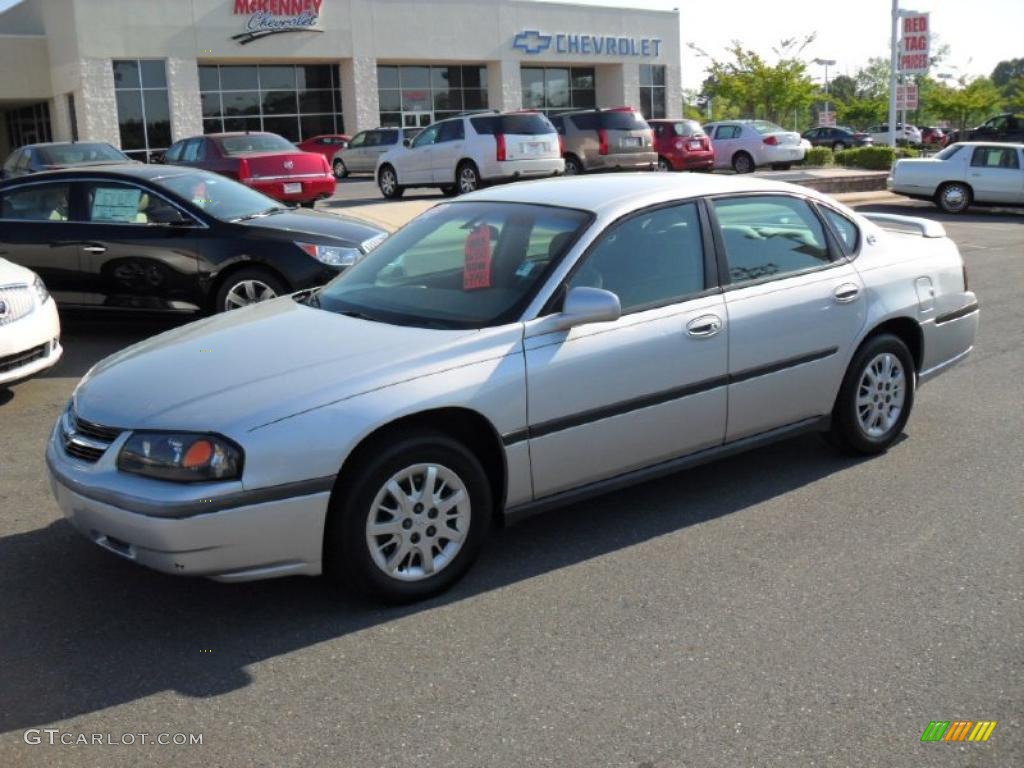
622, 120
688, 128
72, 154
764, 126
948, 152
458, 266
254, 142
220, 197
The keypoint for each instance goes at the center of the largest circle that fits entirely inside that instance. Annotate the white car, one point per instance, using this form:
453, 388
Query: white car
463, 153
906, 134
961, 174
29, 326
744, 145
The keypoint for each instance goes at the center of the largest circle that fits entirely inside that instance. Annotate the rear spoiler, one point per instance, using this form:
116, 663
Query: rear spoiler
924, 227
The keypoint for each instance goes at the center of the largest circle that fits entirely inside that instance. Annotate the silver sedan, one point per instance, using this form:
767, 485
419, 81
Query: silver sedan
515, 350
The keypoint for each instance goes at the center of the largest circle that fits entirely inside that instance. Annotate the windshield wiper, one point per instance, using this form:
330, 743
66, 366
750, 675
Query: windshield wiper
358, 315
260, 214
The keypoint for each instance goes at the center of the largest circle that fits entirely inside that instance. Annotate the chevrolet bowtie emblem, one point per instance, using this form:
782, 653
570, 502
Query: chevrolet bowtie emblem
532, 41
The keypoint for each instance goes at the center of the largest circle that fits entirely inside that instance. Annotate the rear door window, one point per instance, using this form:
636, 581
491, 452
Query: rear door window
769, 236
451, 130
995, 157
727, 132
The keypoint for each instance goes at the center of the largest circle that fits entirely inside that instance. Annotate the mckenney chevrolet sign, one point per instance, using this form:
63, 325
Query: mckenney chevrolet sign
271, 17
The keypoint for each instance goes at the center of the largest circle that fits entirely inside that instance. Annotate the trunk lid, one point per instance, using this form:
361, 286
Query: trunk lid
263, 165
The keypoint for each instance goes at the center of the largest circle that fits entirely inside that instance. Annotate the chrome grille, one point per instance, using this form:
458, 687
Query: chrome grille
86, 440
11, 362
16, 301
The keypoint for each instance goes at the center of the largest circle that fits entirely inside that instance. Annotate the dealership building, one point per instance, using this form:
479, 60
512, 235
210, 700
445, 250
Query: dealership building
142, 74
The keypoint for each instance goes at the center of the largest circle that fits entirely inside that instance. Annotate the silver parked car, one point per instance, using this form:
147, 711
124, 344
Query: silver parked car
517, 349
962, 174
366, 147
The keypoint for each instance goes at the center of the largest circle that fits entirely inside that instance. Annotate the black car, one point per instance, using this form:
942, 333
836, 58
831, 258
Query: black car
33, 158
150, 237
837, 138
1006, 127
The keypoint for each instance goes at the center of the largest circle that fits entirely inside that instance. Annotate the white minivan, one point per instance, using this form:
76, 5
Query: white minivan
464, 152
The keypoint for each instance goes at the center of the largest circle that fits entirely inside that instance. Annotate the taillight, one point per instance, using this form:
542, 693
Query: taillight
499, 138
561, 144
243, 169
602, 137
325, 166
680, 143
771, 140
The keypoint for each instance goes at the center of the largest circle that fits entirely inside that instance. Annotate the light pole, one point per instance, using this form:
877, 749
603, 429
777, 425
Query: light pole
825, 63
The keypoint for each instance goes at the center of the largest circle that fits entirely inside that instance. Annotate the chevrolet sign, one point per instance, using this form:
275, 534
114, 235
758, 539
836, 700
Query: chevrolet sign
533, 42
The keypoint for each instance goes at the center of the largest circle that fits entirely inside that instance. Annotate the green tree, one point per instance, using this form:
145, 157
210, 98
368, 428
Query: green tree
842, 89
971, 102
779, 91
1006, 71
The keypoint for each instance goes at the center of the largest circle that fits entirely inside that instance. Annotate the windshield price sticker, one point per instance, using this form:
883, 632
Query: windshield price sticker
476, 273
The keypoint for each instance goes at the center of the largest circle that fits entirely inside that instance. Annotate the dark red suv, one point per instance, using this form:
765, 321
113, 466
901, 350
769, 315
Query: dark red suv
682, 145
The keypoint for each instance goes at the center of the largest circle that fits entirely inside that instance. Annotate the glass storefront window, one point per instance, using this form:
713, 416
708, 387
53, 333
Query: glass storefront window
29, 125
557, 89
652, 90
294, 101
418, 95
143, 109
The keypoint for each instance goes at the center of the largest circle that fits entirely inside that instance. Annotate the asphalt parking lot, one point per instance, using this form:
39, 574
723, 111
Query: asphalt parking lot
787, 607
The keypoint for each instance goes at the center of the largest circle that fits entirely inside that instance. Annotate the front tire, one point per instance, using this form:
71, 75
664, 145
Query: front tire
742, 163
876, 396
953, 197
251, 285
387, 182
410, 520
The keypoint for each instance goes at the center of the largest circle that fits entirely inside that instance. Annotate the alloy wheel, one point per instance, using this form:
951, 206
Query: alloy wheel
880, 395
954, 198
468, 181
418, 522
248, 292
388, 182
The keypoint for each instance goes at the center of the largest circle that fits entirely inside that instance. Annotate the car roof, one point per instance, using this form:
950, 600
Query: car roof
623, 192
983, 143
61, 144
122, 171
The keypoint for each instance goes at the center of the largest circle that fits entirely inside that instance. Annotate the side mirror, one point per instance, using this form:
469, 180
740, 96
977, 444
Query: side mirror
581, 306
407, 142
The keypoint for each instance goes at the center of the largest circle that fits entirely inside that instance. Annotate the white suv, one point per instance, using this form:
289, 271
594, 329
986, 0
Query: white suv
462, 153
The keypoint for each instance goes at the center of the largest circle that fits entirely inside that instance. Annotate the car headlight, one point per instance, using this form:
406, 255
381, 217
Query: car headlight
41, 291
334, 255
184, 457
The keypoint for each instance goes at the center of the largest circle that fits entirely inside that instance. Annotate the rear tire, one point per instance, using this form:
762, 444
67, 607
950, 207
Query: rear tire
838, 146
467, 178
340, 171
742, 163
781, 166
573, 166
953, 197
308, 204
664, 165
450, 191
876, 396
390, 565
387, 182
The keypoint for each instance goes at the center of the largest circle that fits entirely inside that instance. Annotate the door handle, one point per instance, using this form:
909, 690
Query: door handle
704, 326
846, 293
94, 248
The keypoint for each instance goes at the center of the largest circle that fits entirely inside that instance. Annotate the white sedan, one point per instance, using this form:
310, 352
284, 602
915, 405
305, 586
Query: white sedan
961, 174
744, 145
29, 326
905, 134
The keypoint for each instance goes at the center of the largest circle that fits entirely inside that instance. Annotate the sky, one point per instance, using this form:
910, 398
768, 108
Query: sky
980, 33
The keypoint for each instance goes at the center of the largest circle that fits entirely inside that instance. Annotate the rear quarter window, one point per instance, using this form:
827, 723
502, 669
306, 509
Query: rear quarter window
846, 231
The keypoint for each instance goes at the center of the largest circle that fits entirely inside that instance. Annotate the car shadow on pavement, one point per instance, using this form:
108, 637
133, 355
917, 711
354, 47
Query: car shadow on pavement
83, 630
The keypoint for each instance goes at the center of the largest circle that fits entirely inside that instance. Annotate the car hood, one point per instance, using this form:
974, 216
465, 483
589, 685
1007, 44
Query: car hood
303, 221
239, 370
11, 274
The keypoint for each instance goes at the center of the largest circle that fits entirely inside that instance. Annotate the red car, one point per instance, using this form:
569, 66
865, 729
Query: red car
934, 135
264, 161
682, 145
327, 145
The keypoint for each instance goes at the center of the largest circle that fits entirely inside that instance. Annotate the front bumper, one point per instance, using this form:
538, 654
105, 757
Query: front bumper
313, 188
31, 344
253, 541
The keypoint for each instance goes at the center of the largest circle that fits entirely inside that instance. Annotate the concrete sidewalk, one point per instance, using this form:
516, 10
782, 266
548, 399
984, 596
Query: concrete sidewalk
391, 216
